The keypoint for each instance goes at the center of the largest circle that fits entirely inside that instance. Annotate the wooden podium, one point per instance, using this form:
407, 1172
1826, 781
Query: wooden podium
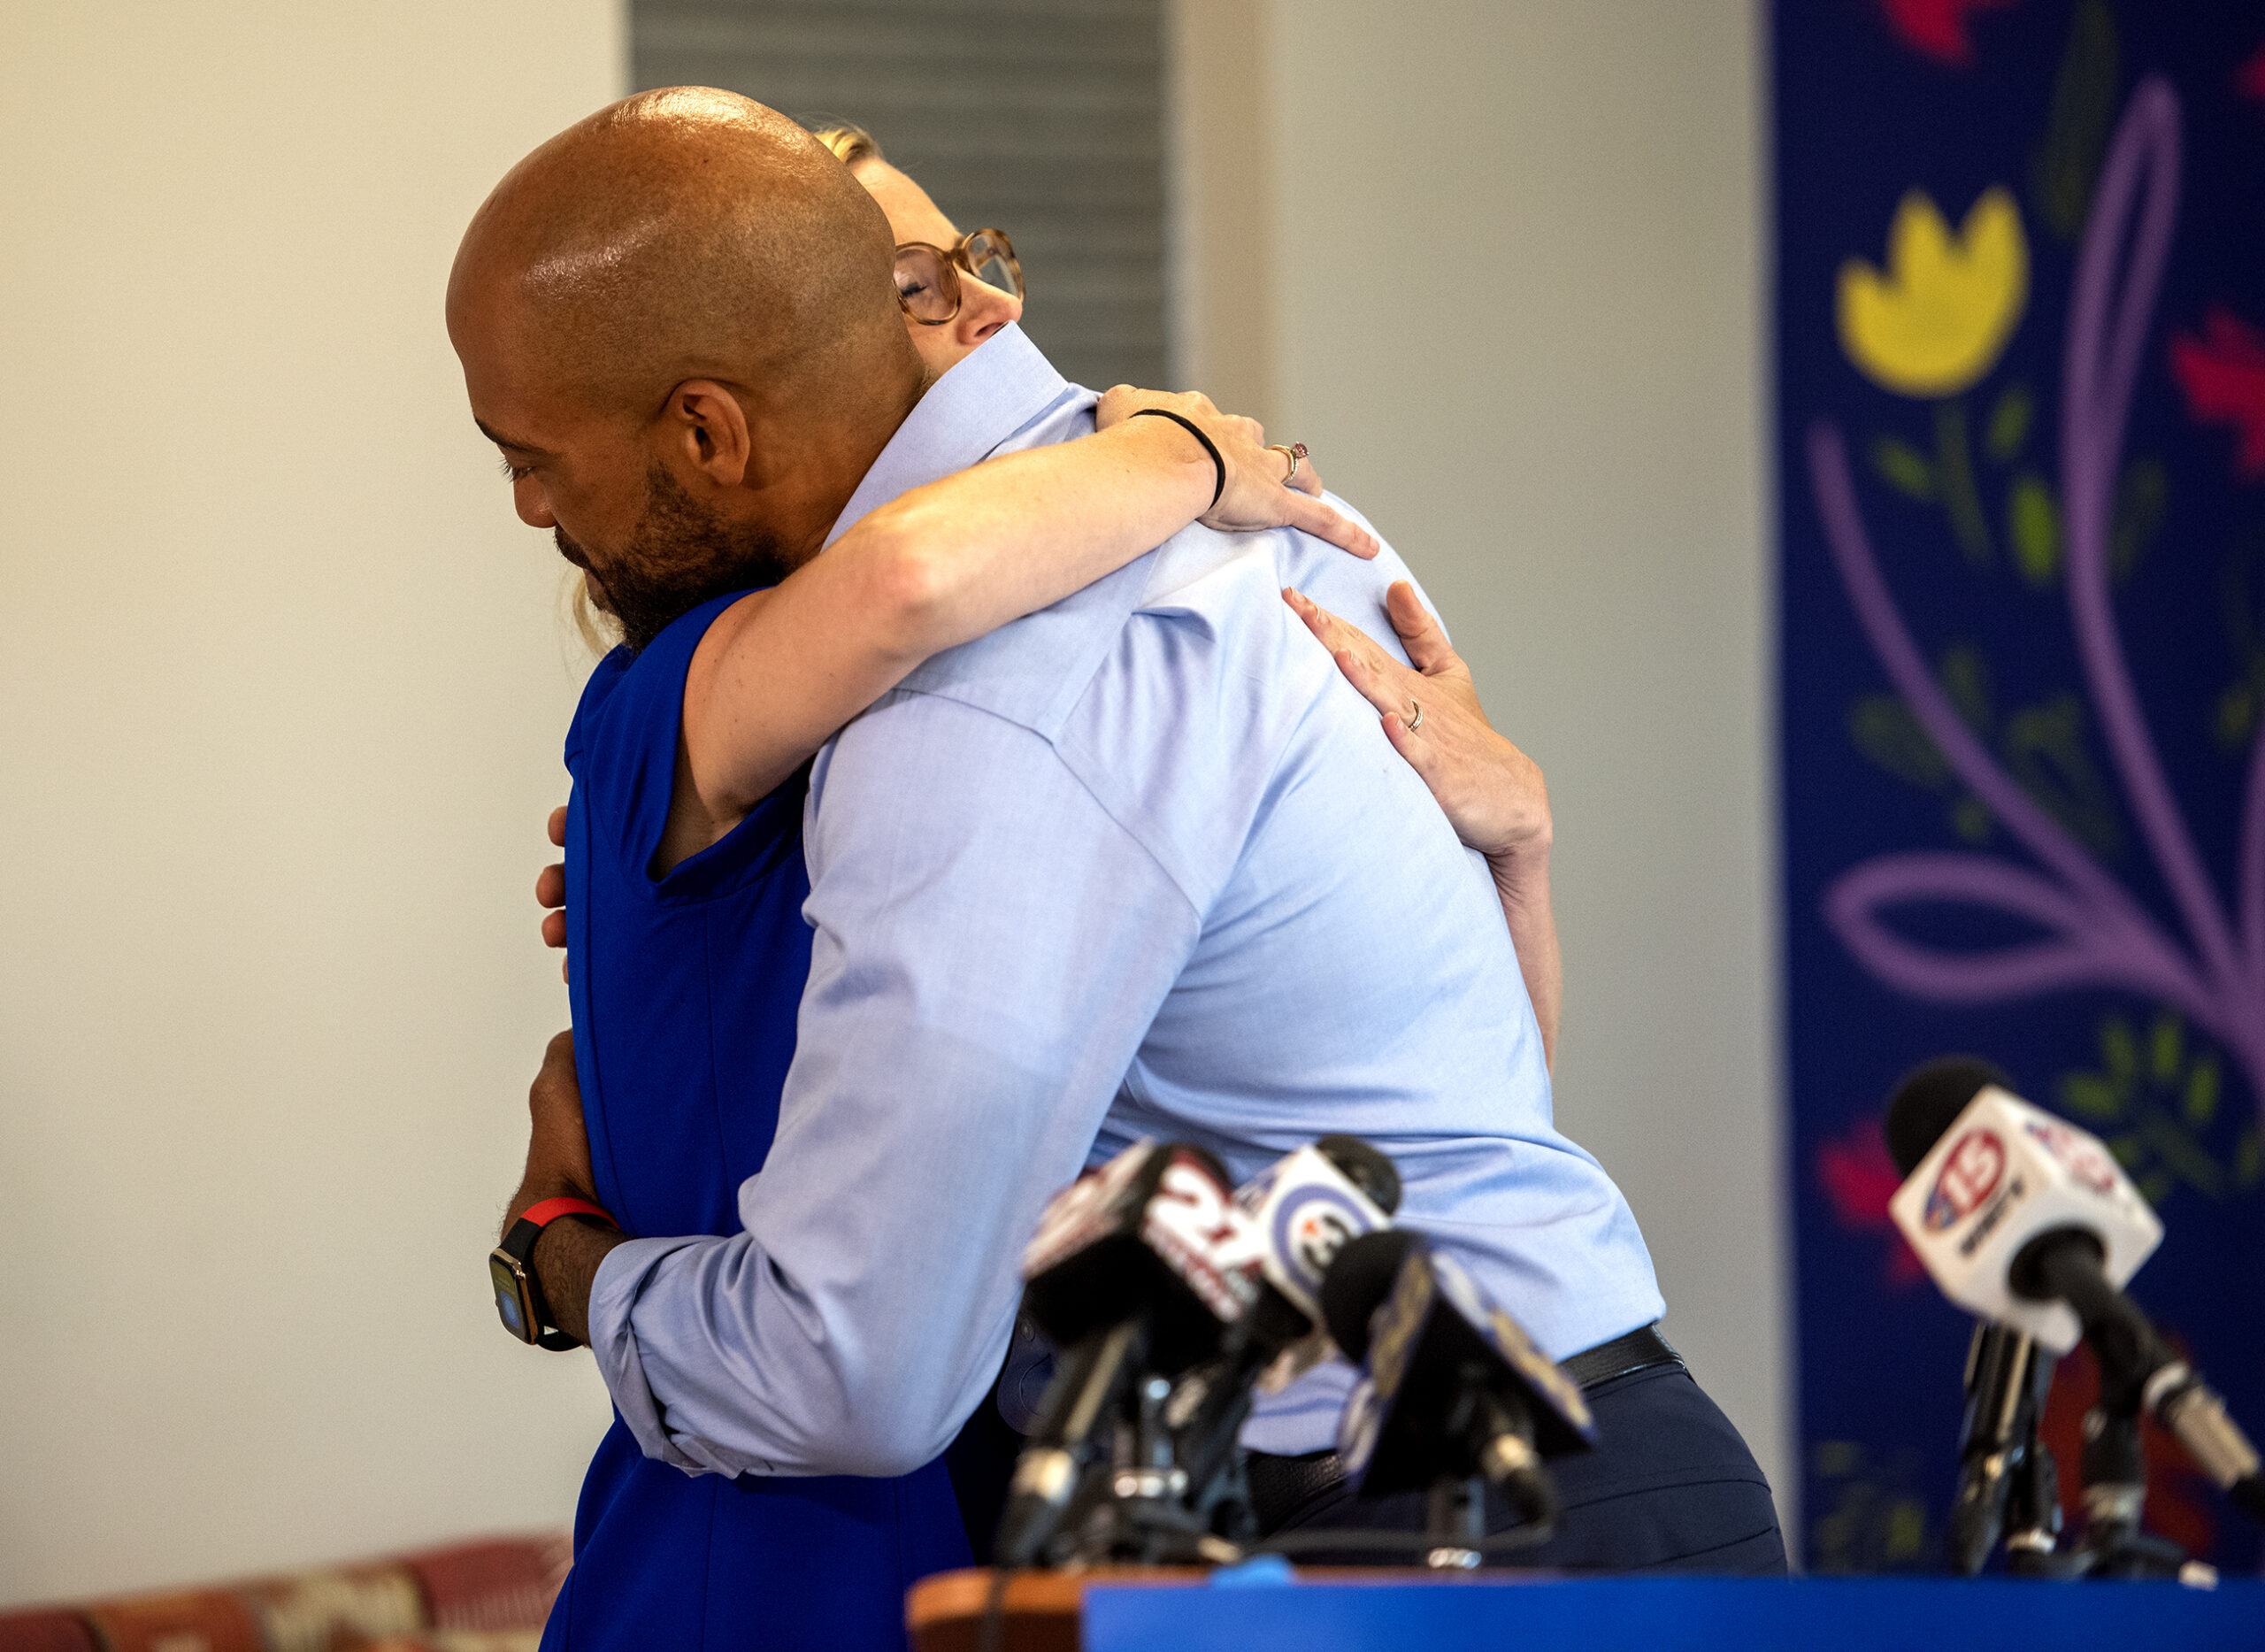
1040, 1609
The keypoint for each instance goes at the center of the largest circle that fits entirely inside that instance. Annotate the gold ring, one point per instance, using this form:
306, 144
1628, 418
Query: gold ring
1417, 721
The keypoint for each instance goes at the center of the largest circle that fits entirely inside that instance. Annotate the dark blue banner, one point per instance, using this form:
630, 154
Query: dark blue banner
2021, 343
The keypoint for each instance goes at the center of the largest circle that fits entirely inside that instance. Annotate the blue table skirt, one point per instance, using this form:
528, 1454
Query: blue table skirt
1678, 1615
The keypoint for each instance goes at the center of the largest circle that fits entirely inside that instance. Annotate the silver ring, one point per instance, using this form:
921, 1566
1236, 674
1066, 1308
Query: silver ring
1296, 451
1417, 721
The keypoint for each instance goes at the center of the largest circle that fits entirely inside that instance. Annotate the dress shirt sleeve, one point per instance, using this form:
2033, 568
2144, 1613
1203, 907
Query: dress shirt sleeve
989, 949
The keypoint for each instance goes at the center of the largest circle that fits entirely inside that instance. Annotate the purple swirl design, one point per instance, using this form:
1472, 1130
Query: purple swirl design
2095, 933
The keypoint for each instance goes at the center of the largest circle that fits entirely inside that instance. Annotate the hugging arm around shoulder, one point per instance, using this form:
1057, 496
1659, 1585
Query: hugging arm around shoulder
989, 949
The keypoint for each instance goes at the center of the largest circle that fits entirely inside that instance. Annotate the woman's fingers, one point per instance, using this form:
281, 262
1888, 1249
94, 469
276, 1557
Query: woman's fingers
1307, 479
1380, 680
551, 890
1420, 635
1326, 521
1421, 754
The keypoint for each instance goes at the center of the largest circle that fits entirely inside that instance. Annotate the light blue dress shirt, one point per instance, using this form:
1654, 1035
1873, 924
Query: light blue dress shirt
1140, 864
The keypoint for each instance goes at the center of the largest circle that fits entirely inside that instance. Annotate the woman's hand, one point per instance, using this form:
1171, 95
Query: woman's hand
1255, 496
551, 890
1491, 791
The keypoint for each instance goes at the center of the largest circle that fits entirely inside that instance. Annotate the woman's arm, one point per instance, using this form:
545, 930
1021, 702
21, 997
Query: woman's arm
1490, 792
780, 670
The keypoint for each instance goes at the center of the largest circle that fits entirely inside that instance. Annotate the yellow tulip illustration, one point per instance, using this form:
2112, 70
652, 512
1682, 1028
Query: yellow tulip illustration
1940, 316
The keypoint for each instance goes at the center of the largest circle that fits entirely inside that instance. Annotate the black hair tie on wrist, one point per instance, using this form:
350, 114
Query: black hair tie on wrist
1188, 425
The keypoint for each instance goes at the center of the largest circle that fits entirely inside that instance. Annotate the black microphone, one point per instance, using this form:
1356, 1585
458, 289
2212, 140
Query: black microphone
1992, 1437
1136, 1272
1305, 1208
1453, 1387
2063, 1261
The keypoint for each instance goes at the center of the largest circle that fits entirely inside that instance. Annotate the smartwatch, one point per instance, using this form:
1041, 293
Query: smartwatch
519, 1297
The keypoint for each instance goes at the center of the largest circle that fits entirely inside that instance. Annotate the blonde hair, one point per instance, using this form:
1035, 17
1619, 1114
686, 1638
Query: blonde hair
852, 145
598, 630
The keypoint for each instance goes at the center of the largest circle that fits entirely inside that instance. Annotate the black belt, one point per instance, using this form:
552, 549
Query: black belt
1281, 1485
1643, 1349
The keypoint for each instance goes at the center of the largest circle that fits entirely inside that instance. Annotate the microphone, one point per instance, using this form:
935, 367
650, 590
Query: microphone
1304, 1208
2028, 1221
1453, 1388
1136, 1270
2003, 1366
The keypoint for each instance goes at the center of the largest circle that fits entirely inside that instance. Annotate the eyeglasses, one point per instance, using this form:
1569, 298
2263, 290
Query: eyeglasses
927, 276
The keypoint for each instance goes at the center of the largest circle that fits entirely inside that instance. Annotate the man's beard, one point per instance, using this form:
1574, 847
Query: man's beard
682, 554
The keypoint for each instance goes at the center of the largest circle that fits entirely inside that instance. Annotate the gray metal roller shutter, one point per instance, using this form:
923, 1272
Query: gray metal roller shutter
1043, 117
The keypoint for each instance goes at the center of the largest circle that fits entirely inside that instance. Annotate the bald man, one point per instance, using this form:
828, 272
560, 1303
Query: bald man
1141, 863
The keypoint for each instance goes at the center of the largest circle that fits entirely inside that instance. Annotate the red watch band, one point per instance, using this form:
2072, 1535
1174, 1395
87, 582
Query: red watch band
550, 1210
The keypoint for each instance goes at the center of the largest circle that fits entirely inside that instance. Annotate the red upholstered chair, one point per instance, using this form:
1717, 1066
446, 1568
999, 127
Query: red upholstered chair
486, 1596
45, 1631
209, 1620
503, 1584
332, 1607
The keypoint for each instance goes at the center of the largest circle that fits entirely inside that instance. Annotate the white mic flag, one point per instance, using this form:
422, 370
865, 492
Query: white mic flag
2003, 1173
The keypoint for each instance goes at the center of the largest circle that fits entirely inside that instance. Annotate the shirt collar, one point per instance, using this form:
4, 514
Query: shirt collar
1000, 385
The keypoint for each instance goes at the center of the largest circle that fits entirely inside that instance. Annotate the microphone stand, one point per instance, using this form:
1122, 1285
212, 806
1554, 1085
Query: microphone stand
2111, 1467
2033, 1500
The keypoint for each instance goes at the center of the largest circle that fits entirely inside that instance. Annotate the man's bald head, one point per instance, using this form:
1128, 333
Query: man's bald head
685, 234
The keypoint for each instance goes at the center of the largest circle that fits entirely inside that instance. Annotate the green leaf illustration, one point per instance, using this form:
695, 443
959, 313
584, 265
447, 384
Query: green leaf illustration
2033, 528
2091, 1095
2142, 499
2009, 423
2177, 1154
1903, 467
1885, 730
2044, 750
2237, 717
1954, 469
2166, 1048
2120, 1051
2076, 130
2156, 1101
2201, 1103
1965, 677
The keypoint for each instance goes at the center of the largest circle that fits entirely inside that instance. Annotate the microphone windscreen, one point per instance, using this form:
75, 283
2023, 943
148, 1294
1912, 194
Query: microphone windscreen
1358, 1280
1929, 1101
1365, 1168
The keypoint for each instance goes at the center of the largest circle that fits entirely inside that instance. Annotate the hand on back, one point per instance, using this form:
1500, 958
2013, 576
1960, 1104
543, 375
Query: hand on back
1490, 792
1255, 496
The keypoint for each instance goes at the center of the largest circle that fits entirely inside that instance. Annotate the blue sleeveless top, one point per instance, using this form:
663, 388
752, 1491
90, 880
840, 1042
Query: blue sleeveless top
685, 990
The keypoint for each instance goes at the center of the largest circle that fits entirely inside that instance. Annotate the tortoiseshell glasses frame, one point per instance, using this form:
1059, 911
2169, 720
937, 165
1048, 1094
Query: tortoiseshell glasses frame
928, 276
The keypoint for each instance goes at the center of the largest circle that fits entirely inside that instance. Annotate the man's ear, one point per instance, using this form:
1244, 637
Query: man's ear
704, 431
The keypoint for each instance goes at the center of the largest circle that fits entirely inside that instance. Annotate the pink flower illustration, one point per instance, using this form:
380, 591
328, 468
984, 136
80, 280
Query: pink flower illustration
2222, 373
1937, 27
2250, 79
1859, 1178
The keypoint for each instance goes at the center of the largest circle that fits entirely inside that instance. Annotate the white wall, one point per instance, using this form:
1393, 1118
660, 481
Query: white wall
282, 692
1514, 261
281, 705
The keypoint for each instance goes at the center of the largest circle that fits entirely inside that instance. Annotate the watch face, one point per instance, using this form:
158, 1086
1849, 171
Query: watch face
511, 1296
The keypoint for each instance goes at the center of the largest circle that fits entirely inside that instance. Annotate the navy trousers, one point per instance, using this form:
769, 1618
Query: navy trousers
1670, 1488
